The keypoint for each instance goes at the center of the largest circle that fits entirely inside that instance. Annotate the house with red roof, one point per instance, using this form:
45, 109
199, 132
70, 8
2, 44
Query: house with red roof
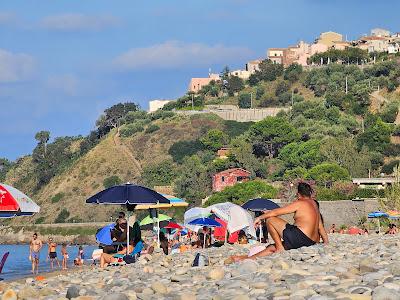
229, 177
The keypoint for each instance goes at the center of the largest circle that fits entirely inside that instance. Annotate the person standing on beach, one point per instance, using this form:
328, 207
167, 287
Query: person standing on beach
35, 246
52, 254
65, 256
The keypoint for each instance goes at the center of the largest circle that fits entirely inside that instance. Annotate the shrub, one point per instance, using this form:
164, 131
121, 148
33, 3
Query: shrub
57, 197
62, 216
368, 193
40, 220
328, 172
245, 100
161, 114
131, 129
242, 192
282, 87
181, 149
392, 150
388, 168
111, 181
152, 128
159, 174
234, 129
325, 194
259, 92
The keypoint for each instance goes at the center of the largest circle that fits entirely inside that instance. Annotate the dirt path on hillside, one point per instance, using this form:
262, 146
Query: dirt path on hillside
124, 149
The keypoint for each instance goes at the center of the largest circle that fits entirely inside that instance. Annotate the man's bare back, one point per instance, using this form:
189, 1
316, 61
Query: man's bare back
307, 218
36, 245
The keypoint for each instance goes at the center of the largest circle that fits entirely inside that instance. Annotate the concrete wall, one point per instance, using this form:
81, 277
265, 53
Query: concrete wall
347, 212
240, 115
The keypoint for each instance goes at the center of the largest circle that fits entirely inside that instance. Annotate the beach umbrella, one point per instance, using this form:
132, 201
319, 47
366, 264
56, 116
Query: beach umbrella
103, 235
205, 222
15, 203
173, 202
195, 213
237, 218
260, 204
149, 220
127, 194
172, 225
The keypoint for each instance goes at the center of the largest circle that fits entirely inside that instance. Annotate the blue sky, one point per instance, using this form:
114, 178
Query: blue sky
62, 62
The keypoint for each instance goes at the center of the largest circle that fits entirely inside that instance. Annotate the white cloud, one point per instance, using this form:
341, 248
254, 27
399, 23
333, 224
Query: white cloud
173, 54
78, 22
15, 66
67, 83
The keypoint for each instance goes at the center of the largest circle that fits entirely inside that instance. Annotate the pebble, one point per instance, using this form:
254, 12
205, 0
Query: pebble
216, 274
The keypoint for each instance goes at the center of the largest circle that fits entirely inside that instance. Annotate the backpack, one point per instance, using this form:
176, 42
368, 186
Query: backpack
200, 260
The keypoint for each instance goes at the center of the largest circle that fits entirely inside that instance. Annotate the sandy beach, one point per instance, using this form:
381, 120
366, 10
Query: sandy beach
350, 267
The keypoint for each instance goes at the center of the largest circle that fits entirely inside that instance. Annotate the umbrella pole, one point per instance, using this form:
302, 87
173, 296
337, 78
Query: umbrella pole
127, 235
158, 231
379, 225
260, 232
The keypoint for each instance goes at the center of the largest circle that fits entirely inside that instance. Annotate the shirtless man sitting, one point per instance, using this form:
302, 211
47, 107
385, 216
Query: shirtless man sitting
34, 252
307, 230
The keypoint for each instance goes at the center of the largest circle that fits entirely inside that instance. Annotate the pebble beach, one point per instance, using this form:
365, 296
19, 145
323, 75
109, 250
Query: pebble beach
350, 267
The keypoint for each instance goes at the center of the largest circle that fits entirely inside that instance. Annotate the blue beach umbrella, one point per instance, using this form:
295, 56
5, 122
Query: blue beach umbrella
103, 236
208, 222
260, 204
127, 194
378, 214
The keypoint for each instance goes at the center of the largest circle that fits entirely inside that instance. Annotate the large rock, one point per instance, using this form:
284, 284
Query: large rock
115, 296
159, 288
216, 274
72, 292
28, 293
382, 293
9, 295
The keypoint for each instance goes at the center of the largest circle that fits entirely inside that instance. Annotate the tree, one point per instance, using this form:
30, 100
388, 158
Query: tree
269, 71
344, 152
193, 182
179, 150
270, 135
111, 181
303, 154
5, 166
214, 139
162, 173
43, 137
328, 172
240, 193
235, 85
281, 88
245, 100
376, 137
259, 92
293, 72
113, 117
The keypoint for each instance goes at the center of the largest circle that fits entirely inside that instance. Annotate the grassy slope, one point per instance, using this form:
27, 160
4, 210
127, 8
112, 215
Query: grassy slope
85, 177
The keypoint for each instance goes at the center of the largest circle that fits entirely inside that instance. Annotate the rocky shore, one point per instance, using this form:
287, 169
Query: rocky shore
350, 267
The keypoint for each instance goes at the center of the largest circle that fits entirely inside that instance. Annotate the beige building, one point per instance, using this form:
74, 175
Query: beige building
243, 74
276, 55
253, 65
341, 45
373, 44
380, 32
329, 38
157, 104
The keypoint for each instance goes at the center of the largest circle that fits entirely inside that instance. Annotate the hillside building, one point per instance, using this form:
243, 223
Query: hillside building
253, 65
380, 32
157, 104
329, 38
229, 177
242, 74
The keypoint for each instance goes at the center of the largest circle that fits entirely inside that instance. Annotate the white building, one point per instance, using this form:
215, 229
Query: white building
243, 74
157, 104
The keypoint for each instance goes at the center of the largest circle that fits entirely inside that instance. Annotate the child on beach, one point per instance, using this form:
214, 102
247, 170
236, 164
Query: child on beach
65, 256
78, 261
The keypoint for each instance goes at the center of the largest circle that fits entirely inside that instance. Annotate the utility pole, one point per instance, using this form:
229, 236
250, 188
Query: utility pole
346, 86
192, 102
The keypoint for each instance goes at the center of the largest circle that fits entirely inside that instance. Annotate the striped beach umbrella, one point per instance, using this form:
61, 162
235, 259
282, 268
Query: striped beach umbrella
15, 203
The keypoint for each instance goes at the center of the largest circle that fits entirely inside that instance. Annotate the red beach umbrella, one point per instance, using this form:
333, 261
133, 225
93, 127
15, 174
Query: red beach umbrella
172, 225
15, 203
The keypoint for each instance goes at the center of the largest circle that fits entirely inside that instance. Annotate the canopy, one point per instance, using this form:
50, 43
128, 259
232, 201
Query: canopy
172, 225
150, 220
128, 194
208, 222
260, 204
103, 236
236, 217
15, 203
195, 213
378, 214
173, 202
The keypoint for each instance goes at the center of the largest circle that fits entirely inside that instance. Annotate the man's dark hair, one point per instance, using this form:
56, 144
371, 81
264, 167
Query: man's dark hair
121, 214
35, 234
304, 189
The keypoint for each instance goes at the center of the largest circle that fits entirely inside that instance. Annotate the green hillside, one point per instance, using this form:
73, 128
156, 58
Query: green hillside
328, 136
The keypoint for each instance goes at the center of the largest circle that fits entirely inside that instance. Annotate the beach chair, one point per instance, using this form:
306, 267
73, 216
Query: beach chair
3, 261
131, 257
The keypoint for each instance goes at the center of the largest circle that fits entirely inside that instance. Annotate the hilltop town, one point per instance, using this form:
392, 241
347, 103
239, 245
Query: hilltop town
324, 50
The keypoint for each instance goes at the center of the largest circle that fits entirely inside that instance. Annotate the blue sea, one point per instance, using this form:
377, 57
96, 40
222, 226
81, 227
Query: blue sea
18, 264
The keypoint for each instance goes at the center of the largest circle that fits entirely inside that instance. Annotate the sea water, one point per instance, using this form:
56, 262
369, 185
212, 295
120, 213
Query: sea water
18, 265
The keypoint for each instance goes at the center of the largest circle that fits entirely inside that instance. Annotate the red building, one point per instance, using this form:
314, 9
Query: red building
229, 178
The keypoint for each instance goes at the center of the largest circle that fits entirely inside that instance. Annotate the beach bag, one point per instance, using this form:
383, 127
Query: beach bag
130, 259
200, 260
